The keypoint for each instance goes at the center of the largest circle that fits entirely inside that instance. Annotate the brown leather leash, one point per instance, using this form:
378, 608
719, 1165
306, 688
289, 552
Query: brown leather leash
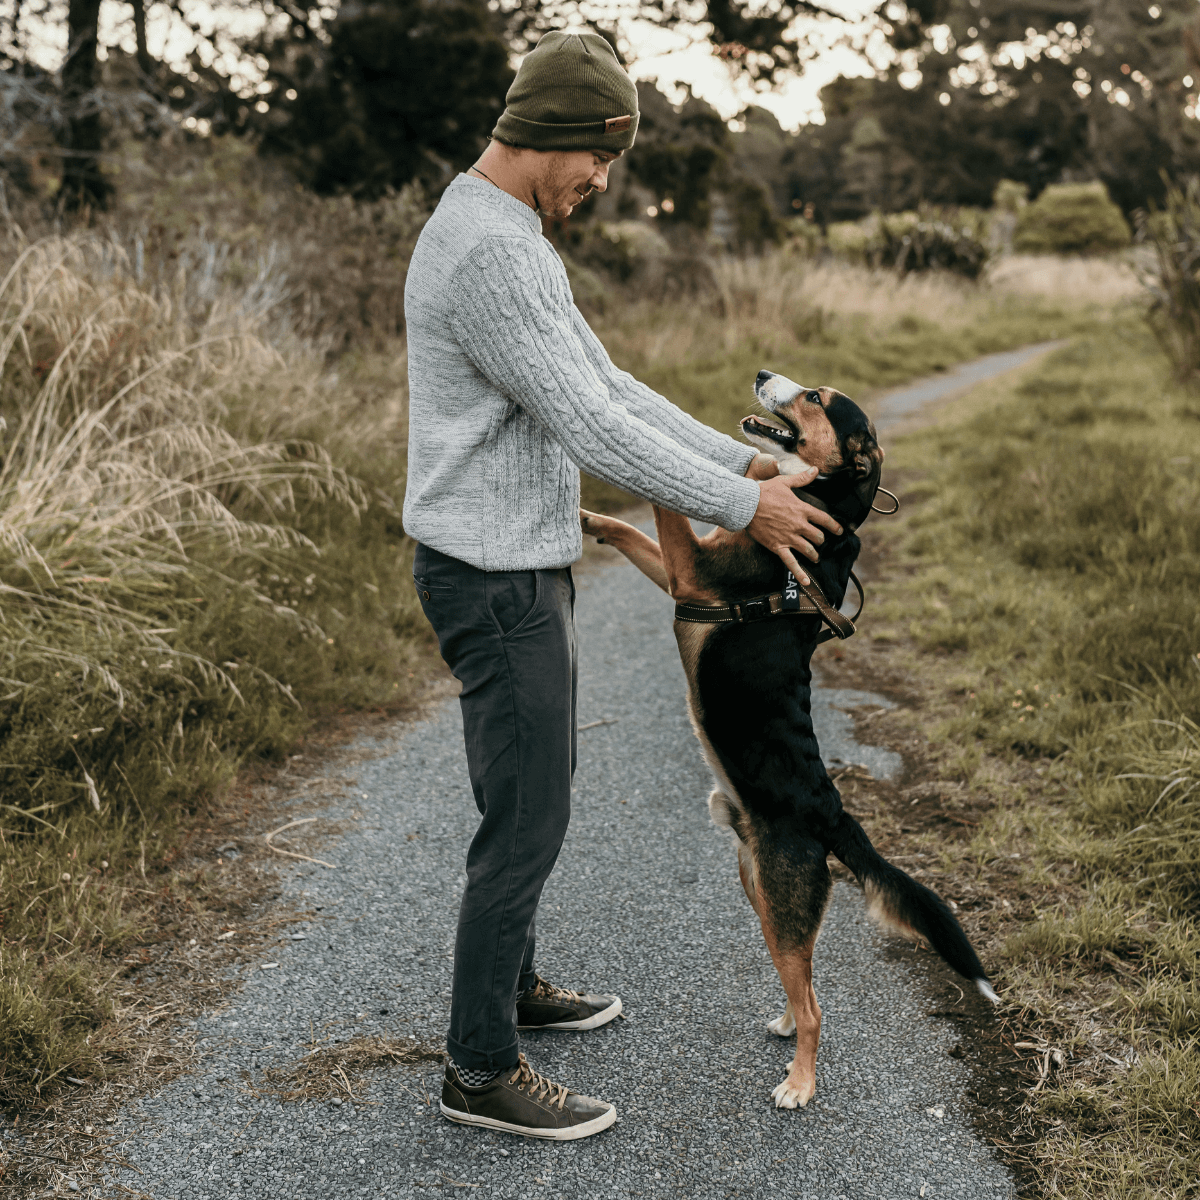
797, 599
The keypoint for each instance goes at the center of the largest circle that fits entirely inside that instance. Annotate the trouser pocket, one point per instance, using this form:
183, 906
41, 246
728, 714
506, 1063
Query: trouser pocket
512, 598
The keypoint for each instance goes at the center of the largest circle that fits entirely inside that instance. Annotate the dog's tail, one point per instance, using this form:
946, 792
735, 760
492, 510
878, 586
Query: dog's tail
899, 901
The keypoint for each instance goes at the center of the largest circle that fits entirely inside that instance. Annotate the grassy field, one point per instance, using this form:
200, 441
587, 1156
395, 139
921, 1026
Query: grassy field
203, 552
829, 323
1043, 587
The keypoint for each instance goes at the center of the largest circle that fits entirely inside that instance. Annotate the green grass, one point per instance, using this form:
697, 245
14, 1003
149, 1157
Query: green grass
704, 356
220, 560
1050, 575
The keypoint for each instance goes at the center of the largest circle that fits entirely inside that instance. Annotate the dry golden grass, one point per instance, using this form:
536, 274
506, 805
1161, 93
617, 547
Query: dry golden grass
119, 481
1104, 281
200, 547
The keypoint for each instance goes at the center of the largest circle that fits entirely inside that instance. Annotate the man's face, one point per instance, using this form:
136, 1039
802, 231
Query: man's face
568, 177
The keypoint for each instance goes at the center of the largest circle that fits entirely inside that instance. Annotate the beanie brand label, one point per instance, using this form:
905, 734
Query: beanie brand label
617, 124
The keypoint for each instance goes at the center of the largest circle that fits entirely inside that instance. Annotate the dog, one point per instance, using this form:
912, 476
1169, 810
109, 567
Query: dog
746, 631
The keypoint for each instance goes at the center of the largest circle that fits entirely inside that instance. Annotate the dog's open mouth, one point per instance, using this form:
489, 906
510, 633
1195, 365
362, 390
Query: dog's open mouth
774, 430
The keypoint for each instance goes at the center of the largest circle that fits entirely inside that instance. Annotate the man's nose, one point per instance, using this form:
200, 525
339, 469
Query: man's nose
599, 179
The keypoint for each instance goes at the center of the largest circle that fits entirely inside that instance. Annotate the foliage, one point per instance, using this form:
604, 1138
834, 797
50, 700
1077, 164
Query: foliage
1009, 196
1093, 89
1174, 280
1054, 510
215, 214
931, 240
1071, 218
926, 240
402, 90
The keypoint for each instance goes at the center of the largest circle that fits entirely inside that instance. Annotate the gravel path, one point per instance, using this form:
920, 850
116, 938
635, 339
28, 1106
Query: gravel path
644, 902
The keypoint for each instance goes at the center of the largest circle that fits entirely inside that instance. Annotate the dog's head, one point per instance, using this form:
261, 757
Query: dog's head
819, 427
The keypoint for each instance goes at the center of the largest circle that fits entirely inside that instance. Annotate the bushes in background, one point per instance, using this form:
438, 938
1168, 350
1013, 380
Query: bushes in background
1174, 279
1071, 218
954, 240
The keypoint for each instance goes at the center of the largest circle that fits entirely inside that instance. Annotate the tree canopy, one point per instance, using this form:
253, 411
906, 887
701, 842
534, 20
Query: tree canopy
374, 94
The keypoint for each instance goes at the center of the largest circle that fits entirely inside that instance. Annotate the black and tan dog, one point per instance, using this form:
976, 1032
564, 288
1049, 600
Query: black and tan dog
746, 634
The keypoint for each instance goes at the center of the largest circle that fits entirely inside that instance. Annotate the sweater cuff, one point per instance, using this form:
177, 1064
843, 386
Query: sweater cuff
741, 463
742, 506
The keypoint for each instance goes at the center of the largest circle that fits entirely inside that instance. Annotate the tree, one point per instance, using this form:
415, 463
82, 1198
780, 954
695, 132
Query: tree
1056, 88
401, 90
83, 185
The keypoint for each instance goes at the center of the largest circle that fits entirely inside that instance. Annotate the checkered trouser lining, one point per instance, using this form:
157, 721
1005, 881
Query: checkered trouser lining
474, 1078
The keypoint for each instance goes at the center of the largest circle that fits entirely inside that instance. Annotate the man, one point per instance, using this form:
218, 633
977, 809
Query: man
510, 394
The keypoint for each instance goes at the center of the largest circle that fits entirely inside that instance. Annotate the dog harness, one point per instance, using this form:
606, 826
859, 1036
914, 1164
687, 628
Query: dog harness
796, 599
838, 494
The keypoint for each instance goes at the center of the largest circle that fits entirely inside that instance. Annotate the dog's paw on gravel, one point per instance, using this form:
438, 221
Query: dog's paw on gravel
784, 1025
794, 1093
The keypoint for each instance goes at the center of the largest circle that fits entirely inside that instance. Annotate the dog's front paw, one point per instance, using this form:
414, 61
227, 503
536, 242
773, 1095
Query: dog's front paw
784, 1025
794, 1093
594, 525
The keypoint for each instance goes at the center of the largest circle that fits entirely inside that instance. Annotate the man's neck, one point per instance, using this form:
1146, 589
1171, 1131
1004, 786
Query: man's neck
495, 167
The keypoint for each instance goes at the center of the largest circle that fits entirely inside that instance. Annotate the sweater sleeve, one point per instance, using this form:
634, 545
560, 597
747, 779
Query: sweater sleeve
657, 410
512, 318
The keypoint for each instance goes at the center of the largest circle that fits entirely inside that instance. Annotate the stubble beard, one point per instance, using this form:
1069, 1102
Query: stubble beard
562, 196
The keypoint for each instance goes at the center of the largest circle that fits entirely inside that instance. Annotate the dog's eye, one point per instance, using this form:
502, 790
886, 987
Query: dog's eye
813, 397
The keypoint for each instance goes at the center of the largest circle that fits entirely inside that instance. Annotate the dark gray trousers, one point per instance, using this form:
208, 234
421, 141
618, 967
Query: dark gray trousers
509, 636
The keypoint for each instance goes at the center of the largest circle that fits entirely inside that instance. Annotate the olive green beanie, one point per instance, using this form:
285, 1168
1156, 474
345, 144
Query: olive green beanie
571, 93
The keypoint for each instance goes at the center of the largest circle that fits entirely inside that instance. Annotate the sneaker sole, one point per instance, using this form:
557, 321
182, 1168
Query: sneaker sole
593, 1022
569, 1133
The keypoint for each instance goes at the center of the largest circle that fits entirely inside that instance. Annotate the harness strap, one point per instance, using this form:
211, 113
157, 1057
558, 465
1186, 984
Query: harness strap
739, 612
798, 599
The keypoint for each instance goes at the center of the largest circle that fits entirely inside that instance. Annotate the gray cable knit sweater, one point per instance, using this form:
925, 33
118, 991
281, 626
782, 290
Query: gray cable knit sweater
510, 393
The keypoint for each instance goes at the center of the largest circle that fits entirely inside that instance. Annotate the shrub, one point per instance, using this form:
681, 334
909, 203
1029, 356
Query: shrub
1174, 279
625, 250
948, 240
1010, 196
953, 240
1071, 218
636, 254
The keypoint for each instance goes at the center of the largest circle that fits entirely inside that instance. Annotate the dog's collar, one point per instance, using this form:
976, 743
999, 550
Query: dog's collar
797, 599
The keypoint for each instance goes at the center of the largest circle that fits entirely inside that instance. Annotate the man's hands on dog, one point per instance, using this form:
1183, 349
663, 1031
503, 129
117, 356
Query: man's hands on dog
762, 466
783, 522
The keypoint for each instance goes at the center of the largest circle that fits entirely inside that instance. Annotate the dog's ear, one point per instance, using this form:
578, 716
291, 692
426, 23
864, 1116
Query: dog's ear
867, 456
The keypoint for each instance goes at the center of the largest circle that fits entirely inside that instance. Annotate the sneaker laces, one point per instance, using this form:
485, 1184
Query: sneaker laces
551, 991
538, 1086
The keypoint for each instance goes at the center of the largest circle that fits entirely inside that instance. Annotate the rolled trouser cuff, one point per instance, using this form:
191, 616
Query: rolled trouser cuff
471, 1059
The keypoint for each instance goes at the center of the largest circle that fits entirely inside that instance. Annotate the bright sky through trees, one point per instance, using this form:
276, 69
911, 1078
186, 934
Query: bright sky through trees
674, 57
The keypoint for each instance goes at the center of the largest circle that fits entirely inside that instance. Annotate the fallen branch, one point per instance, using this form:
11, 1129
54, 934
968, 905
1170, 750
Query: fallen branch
580, 729
290, 854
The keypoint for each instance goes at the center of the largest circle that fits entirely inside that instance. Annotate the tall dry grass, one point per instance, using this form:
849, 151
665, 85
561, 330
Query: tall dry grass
120, 486
818, 322
200, 547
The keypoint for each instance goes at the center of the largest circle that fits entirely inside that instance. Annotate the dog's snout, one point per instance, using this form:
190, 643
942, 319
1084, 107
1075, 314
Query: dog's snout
762, 377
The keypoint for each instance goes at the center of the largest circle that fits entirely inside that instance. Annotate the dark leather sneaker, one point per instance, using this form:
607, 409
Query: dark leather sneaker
519, 1100
545, 1006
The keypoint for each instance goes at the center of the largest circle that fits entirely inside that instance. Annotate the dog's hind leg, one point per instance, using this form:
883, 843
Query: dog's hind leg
792, 889
785, 1024
794, 965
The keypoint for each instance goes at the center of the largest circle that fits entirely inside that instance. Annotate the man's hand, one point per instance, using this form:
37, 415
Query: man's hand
783, 523
762, 466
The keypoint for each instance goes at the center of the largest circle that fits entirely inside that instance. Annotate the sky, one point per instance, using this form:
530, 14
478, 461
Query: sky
673, 57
